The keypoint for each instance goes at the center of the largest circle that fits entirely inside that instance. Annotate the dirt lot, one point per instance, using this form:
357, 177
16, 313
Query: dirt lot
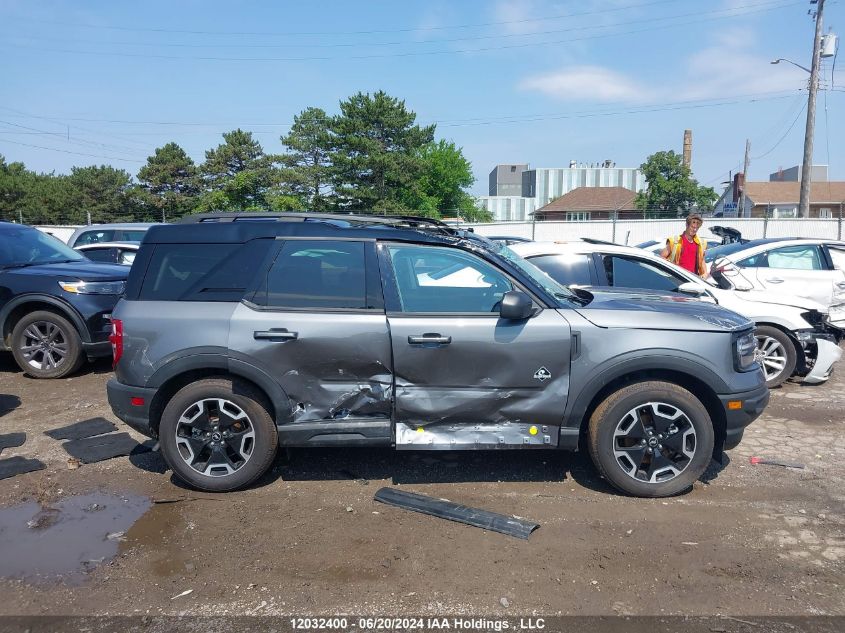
308, 538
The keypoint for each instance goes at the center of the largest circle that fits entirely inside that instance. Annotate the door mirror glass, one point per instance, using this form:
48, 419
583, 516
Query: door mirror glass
516, 306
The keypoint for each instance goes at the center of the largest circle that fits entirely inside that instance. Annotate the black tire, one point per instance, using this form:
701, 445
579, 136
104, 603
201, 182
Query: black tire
776, 350
46, 345
686, 448
198, 454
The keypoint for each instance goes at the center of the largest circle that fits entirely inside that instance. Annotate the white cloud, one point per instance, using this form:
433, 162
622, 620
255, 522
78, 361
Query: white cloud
586, 83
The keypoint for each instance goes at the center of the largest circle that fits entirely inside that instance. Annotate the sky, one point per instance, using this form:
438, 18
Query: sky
509, 81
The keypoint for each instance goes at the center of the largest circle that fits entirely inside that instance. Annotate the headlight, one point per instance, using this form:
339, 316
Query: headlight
745, 352
94, 287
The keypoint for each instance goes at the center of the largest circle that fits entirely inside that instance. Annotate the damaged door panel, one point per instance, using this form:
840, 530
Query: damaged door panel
313, 330
465, 377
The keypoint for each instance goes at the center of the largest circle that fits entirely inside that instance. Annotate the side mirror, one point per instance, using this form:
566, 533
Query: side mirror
692, 288
516, 306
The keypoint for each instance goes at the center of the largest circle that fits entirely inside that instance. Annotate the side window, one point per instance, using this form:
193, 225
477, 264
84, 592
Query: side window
759, 260
94, 237
567, 270
202, 272
132, 236
318, 274
126, 257
800, 257
623, 272
837, 255
445, 280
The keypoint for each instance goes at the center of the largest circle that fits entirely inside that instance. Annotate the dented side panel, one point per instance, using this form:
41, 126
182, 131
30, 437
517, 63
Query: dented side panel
487, 387
337, 367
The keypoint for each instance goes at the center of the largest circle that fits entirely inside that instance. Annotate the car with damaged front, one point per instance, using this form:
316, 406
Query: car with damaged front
239, 333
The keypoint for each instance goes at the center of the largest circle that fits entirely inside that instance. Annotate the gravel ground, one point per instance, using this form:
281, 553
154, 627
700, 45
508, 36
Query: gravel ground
309, 539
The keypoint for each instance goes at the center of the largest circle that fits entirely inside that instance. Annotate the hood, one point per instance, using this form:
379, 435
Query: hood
84, 271
651, 310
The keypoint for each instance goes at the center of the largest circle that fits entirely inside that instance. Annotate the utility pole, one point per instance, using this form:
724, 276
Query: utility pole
807, 164
744, 197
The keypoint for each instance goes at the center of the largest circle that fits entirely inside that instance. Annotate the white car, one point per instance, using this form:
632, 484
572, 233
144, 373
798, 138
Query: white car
793, 333
811, 268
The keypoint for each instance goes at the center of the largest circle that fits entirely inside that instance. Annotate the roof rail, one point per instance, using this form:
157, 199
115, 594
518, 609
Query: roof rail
404, 221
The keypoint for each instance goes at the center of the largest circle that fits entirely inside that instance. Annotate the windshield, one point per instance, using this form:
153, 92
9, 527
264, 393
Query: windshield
542, 279
25, 246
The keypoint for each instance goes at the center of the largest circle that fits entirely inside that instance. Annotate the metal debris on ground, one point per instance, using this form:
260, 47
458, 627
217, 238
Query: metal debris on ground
78, 430
96, 449
456, 512
11, 440
18, 466
774, 462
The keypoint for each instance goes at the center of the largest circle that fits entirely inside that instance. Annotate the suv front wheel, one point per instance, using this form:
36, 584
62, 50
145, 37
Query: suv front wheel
651, 439
217, 435
46, 345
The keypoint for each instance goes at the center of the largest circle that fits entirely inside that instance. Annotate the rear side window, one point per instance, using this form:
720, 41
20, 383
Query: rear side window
567, 270
801, 257
94, 237
133, 235
202, 272
317, 274
101, 254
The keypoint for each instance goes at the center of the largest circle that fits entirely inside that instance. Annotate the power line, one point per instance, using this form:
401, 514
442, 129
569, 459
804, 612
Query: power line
732, 11
789, 129
65, 151
398, 55
77, 141
604, 10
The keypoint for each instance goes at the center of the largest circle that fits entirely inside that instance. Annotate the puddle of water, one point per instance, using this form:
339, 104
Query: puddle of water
66, 539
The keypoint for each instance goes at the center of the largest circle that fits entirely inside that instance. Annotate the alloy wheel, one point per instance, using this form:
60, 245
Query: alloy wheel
771, 355
654, 442
44, 345
215, 437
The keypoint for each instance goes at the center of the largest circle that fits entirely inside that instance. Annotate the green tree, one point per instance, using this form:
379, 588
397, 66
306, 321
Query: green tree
103, 192
308, 161
240, 170
170, 181
672, 192
375, 153
15, 184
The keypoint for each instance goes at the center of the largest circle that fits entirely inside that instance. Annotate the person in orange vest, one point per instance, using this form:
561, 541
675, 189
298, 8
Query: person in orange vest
687, 250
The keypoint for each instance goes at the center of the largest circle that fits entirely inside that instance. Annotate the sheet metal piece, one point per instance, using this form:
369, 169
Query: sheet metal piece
473, 436
455, 512
101, 447
19, 465
78, 430
11, 440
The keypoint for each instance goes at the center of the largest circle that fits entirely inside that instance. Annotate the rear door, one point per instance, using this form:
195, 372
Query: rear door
317, 325
465, 378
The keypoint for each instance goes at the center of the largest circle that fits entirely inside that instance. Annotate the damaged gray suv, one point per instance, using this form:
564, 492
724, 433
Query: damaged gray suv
239, 333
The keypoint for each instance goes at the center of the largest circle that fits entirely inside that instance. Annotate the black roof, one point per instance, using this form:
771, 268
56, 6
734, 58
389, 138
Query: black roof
244, 226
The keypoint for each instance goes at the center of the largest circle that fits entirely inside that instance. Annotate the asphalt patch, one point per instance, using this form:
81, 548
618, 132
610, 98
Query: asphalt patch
96, 449
79, 430
10, 440
18, 466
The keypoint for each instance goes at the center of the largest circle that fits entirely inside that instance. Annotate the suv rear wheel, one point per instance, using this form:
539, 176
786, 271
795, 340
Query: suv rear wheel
46, 345
217, 435
651, 439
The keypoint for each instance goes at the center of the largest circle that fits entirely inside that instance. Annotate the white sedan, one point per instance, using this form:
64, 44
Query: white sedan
793, 333
111, 252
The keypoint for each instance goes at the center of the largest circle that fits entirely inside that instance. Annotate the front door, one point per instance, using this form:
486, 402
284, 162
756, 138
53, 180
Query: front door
465, 378
798, 270
837, 305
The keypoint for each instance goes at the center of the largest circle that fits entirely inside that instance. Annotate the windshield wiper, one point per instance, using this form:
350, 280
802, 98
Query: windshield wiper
28, 264
572, 297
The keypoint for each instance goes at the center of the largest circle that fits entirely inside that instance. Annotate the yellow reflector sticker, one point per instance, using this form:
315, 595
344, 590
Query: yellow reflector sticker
532, 430
420, 429
734, 404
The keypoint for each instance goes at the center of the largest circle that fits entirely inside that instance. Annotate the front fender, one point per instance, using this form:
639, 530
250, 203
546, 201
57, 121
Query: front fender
64, 307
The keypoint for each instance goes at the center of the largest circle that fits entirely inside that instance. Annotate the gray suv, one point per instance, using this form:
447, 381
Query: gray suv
239, 333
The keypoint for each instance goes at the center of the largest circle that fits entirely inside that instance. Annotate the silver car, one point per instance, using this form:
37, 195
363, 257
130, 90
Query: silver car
236, 336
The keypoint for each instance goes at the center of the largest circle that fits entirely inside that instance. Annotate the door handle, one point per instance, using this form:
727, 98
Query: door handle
840, 284
274, 335
429, 338
775, 280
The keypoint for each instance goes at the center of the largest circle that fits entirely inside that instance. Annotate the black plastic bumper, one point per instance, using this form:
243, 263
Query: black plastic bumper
753, 403
97, 350
135, 415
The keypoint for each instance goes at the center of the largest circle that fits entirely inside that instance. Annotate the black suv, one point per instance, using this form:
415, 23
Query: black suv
55, 304
237, 335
